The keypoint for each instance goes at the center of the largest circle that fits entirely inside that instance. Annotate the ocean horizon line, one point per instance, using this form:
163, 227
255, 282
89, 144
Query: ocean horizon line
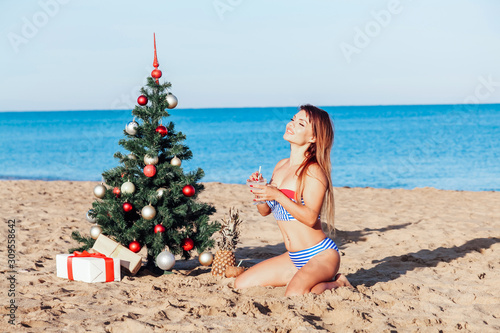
255, 107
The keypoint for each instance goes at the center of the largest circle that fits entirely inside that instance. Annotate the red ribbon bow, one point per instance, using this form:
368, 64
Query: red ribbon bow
109, 266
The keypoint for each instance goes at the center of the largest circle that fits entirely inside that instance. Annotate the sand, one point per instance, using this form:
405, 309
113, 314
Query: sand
421, 260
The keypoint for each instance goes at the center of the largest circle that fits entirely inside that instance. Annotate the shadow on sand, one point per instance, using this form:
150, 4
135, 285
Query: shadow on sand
345, 237
392, 267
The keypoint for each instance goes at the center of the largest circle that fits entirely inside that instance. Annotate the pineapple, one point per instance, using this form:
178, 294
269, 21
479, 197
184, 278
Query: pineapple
229, 234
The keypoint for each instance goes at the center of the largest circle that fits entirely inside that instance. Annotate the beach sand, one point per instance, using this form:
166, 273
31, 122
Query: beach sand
421, 260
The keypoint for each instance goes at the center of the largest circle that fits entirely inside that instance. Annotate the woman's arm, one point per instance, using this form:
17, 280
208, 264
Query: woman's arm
314, 192
264, 209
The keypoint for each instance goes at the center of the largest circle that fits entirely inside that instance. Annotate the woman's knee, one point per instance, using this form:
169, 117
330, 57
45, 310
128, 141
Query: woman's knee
237, 283
298, 286
296, 290
241, 281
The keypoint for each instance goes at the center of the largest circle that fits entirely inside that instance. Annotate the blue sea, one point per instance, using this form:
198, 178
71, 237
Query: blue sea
452, 147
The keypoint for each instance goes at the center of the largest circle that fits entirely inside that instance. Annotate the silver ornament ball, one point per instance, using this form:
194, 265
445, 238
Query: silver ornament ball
100, 191
206, 258
90, 218
95, 231
148, 212
131, 156
171, 100
148, 160
165, 260
128, 187
160, 192
176, 161
131, 127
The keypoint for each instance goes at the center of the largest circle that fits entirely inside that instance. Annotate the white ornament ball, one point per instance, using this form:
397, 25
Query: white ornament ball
100, 191
148, 160
131, 127
165, 260
206, 258
131, 156
176, 161
160, 192
128, 187
171, 100
95, 231
148, 212
90, 218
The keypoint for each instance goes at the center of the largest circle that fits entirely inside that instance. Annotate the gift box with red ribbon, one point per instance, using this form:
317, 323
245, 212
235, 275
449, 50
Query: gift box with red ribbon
88, 267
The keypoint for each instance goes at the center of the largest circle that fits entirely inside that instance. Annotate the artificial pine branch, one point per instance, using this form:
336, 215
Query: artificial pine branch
87, 242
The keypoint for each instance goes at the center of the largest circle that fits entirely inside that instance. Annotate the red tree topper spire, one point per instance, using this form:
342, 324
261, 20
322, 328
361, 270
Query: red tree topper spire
155, 62
156, 73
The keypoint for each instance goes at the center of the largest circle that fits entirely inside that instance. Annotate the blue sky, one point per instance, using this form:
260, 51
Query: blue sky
86, 55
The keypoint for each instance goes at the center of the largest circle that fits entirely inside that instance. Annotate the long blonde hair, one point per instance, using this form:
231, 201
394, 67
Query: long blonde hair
319, 152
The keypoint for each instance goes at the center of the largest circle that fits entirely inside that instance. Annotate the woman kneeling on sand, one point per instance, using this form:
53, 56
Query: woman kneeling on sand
299, 189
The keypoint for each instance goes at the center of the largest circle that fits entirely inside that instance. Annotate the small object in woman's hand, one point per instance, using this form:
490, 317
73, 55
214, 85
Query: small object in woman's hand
256, 179
232, 271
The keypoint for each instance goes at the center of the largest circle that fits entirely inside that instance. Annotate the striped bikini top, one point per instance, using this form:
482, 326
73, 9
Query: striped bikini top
279, 212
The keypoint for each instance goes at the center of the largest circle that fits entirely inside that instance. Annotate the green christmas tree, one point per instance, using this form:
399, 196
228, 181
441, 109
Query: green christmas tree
148, 200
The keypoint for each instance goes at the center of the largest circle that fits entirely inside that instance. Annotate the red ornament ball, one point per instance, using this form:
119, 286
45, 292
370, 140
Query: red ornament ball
156, 74
159, 228
150, 170
117, 192
127, 207
162, 130
134, 246
142, 100
188, 190
187, 244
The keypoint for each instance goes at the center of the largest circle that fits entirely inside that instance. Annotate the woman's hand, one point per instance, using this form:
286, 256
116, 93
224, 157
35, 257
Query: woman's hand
265, 192
254, 177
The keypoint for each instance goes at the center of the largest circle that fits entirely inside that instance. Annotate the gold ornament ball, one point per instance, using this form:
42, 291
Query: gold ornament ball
160, 192
131, 156
128, 187
100, 191
206, 258
95, 231
176, 161
148, 160
148, 212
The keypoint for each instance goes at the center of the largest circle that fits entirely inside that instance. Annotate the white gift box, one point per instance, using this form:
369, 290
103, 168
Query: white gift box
87, 269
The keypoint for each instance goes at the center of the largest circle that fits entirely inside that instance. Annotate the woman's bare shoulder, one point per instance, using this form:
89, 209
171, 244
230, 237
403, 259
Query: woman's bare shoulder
281, 163
315, 171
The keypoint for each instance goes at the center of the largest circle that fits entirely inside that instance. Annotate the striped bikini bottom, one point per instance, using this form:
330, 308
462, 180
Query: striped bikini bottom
300, 258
